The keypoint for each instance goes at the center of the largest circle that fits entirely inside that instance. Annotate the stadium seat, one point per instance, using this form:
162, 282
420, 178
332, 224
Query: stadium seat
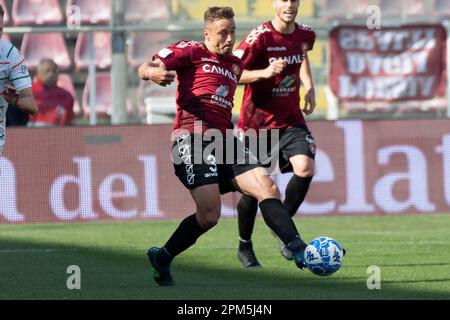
344, 9
103, 96
398, 8
157, 104
145, 44
92, 12
36, 46
194, 9
441, 8
65, 81
40, 12
6, 17
102, 46
146, 10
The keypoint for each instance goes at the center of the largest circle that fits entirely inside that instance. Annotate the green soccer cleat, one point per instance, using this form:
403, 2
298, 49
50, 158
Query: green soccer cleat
297, 247
161, 275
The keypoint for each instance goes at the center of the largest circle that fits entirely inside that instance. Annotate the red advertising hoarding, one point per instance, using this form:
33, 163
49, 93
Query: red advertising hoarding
80, 174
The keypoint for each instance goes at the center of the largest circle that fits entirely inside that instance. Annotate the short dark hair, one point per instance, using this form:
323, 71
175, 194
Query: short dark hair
2, 12
216, 13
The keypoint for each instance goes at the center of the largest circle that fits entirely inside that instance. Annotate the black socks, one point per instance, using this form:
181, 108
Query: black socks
279, 220
246, 208
296, 191
184, 236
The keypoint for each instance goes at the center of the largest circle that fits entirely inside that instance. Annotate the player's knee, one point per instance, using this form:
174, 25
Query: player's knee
305, 172
270, 191
208, 218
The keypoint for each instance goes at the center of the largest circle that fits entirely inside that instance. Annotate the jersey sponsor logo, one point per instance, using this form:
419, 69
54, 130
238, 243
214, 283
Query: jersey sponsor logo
203, 59
219, 98
219, 70
185, 44
255, 33
164, 53
287, 81
285, 87
295, 59
276, 49
222, 91
305, 26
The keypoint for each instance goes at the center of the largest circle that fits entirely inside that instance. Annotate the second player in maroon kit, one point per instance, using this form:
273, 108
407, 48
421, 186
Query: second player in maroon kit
276, 63
207, 76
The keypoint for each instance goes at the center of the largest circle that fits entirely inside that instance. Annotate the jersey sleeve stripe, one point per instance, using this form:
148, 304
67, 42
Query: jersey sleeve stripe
20, 78
18, 63
9, 52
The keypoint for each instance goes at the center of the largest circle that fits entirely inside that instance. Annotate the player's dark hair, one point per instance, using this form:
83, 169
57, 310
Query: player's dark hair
2, 12
217, 13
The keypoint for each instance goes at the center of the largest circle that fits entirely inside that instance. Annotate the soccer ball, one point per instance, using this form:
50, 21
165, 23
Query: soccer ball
323, 256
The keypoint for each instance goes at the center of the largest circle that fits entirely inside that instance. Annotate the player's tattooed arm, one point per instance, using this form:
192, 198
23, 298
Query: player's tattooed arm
274, 69
309, 99
22, 100
157, 72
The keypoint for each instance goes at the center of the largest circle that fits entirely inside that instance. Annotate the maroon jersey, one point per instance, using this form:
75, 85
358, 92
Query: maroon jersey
206, 84
273, 103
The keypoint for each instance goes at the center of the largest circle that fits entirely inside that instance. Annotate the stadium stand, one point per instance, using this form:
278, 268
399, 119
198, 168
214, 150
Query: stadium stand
103, 96
144, 44
36, 12
156, 104
139, 11
36, 46
102, 46
93, 12
70, 50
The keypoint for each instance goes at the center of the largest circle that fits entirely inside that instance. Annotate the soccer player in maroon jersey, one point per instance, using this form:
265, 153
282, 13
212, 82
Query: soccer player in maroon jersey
208, 75
275, 63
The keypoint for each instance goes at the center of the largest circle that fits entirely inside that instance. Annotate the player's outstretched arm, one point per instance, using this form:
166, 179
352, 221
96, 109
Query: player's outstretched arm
22, 100
157, 72
309, 99
274, 69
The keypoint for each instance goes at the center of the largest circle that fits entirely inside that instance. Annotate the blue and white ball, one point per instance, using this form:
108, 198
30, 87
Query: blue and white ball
323, 256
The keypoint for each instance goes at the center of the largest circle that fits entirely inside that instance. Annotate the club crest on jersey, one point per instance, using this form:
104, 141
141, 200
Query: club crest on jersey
236, 69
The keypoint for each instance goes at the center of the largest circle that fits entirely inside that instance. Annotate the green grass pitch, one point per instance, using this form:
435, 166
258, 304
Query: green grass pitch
413, 253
